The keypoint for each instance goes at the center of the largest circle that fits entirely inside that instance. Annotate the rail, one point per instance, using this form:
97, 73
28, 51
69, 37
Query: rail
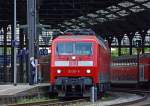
143, 93
53, 103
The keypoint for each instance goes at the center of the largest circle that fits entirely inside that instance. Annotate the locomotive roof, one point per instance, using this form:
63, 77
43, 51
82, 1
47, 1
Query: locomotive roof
77, 37
83, 37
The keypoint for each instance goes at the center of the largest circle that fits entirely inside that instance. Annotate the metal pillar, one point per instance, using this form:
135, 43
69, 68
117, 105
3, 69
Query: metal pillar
31, 21
130, 48
26, 57
36, 39
109, 42
5, 55
138, 47
12, 39
21, 66
14, 46
119, 46
143, 38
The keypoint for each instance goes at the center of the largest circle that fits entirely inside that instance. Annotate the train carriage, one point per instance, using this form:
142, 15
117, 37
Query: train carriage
125, 70
77, 64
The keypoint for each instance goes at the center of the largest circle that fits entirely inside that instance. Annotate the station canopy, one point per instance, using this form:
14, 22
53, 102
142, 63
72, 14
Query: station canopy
103, 16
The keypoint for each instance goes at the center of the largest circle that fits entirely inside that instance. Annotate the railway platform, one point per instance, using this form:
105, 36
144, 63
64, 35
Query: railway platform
10, 93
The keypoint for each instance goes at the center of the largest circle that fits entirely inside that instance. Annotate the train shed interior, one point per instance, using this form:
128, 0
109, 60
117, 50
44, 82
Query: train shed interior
124, 23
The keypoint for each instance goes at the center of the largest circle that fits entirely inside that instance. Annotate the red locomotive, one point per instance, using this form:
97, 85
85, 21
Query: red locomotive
79, 62
125, 70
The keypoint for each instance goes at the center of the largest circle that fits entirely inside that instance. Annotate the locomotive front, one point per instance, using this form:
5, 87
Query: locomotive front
73, 66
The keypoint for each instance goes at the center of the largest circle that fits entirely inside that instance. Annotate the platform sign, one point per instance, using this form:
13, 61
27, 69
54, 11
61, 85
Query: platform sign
43, 52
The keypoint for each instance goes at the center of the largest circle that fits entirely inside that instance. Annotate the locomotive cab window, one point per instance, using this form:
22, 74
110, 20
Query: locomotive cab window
83, 48
64, 48
74, 48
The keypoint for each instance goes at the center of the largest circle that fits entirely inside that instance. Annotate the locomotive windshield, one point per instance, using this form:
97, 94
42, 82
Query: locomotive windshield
74, 48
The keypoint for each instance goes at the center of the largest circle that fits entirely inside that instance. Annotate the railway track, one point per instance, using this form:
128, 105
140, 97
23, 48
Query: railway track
144, 101
52, 103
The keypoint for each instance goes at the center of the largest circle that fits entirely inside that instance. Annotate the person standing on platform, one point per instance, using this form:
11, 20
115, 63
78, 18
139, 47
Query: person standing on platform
33, 70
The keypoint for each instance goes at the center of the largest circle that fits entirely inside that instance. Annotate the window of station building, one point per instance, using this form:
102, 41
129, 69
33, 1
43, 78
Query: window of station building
9, 35
114, 42
125, 51
125, 41
1, 37
8, 56
114, 52
147, 50
134, 51
147, 40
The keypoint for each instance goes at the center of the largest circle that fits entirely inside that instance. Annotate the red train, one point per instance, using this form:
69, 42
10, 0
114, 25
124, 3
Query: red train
79, 62
125, 70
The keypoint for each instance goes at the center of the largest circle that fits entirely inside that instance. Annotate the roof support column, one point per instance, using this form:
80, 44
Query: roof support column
109, 42
31, 22
142, 42
21, 66
130, 46
5, 55
119, 45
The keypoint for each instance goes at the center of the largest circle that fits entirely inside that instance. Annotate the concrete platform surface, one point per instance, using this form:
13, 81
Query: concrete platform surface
6, 90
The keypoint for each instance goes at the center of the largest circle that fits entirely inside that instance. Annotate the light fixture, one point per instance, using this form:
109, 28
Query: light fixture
58, 71
88, 71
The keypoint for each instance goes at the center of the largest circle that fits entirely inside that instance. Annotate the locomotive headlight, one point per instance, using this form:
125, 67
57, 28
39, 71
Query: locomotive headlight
88, 71
73, 57
58, 71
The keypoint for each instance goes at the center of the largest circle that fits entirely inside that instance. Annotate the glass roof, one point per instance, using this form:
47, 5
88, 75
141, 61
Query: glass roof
111, 16
113, 8
101, 12
126, 4
82, 24
92, 22
92, 15
68, 23
123, 13
141, 0
100, 19
147, 4
112, 12
137, 9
